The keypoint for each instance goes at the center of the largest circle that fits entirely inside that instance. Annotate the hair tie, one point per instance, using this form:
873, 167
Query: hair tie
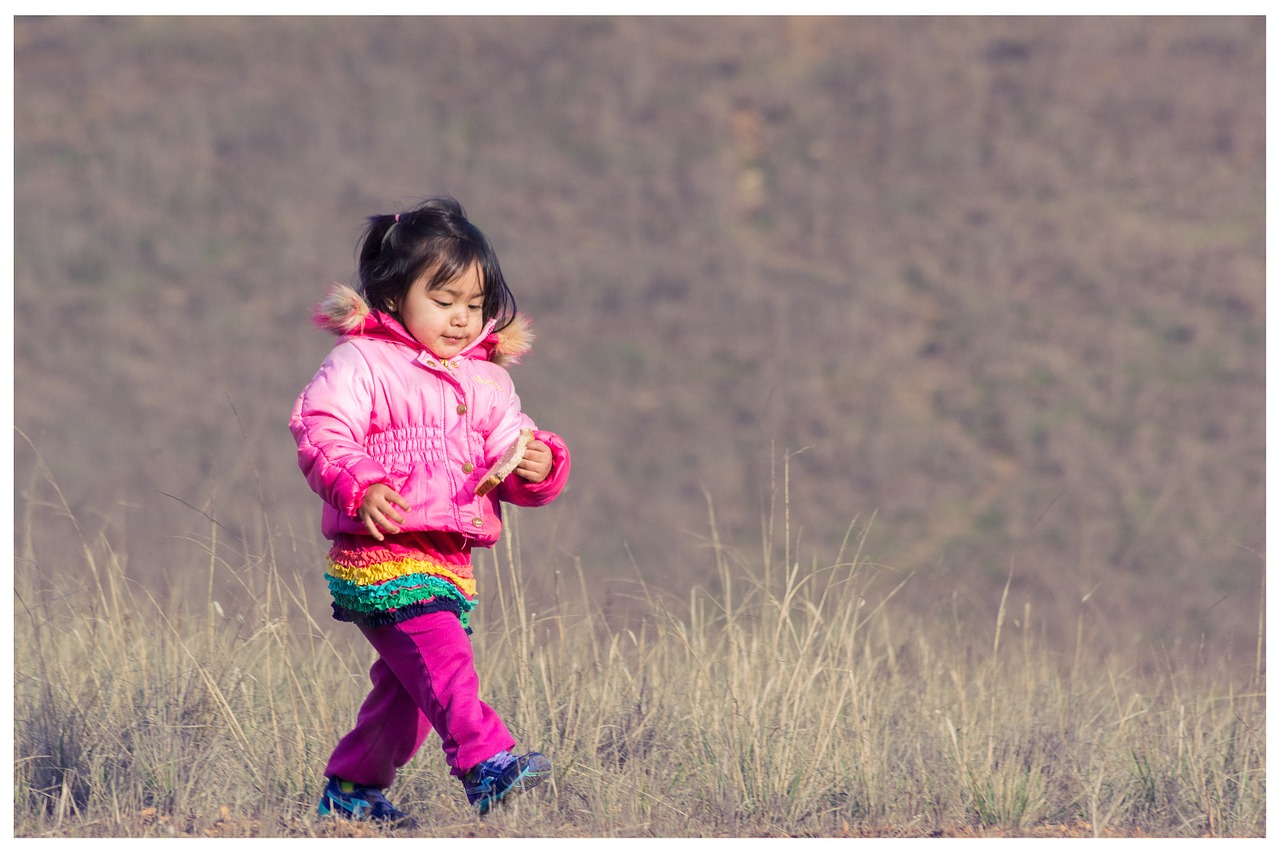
397, 217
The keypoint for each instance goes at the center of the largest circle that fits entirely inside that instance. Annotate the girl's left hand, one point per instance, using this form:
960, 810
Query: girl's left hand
536, 464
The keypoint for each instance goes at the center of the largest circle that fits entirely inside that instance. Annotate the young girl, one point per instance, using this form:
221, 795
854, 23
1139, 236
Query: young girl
398, 428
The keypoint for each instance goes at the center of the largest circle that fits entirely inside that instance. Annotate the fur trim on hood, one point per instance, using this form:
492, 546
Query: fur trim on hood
343, 311
512, 341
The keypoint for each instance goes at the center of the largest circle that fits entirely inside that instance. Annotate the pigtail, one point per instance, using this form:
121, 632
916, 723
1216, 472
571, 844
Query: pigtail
381, 269
386, 235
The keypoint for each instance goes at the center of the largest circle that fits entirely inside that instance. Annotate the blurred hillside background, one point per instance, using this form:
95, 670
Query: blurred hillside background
1000, 280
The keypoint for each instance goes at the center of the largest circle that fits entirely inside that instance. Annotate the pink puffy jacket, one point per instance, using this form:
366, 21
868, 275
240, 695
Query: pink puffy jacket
383, 409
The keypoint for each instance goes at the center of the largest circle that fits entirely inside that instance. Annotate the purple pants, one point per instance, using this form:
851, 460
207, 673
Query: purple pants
424, 678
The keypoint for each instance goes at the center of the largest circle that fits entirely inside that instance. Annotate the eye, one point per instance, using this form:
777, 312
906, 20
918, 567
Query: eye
475, 307
442, 303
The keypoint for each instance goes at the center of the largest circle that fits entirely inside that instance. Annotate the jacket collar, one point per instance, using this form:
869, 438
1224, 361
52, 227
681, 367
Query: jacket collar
345, 313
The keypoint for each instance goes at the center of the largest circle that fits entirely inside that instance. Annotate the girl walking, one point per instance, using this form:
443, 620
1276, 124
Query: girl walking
400, 432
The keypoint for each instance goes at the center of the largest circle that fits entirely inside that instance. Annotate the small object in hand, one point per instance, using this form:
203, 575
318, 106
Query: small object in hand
505, 465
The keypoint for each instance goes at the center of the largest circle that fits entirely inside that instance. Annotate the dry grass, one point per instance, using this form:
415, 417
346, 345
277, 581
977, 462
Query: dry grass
786, 704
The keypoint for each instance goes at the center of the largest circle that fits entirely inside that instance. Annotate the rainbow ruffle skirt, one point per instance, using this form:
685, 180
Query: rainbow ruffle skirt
381, 584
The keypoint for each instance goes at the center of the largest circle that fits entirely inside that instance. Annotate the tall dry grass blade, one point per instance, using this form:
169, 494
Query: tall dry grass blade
717, 550
85, 549
210, 615
215, 691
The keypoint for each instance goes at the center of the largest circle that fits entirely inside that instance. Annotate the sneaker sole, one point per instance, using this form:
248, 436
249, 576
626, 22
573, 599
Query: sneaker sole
405, 822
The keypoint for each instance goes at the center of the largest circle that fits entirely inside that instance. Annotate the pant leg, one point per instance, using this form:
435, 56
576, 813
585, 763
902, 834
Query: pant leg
432, 657
431, 660
388, 732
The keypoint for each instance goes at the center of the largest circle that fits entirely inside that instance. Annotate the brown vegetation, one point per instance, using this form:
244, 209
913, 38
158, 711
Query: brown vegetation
1003, 279
992, 287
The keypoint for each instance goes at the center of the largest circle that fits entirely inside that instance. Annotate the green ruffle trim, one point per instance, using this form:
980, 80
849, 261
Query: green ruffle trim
394, 594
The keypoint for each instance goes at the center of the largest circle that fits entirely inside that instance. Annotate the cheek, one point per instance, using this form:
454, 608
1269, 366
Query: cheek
427, 316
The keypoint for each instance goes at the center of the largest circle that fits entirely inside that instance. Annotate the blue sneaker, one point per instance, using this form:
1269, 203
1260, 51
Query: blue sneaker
355, 802
490, 781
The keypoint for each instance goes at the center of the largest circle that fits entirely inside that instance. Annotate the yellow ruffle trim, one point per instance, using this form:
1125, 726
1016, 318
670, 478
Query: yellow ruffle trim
375, 573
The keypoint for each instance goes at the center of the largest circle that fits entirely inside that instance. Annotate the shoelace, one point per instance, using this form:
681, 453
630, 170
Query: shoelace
497, 763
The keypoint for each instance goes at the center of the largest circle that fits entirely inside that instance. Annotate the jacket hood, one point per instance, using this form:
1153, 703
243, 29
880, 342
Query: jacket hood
344, 312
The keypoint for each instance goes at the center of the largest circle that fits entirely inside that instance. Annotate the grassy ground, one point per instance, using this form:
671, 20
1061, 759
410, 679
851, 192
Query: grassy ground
787, 704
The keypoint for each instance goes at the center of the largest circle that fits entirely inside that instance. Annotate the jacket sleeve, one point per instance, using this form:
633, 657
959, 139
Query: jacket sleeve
329, 422
520, 492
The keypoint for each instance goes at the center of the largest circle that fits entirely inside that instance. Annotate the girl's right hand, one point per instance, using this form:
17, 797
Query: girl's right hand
378, 510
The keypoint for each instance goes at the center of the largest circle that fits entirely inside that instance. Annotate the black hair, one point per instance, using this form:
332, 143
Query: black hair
396, 249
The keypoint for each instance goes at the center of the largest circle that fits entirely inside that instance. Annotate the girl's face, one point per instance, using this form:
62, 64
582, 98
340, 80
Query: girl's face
447, 319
